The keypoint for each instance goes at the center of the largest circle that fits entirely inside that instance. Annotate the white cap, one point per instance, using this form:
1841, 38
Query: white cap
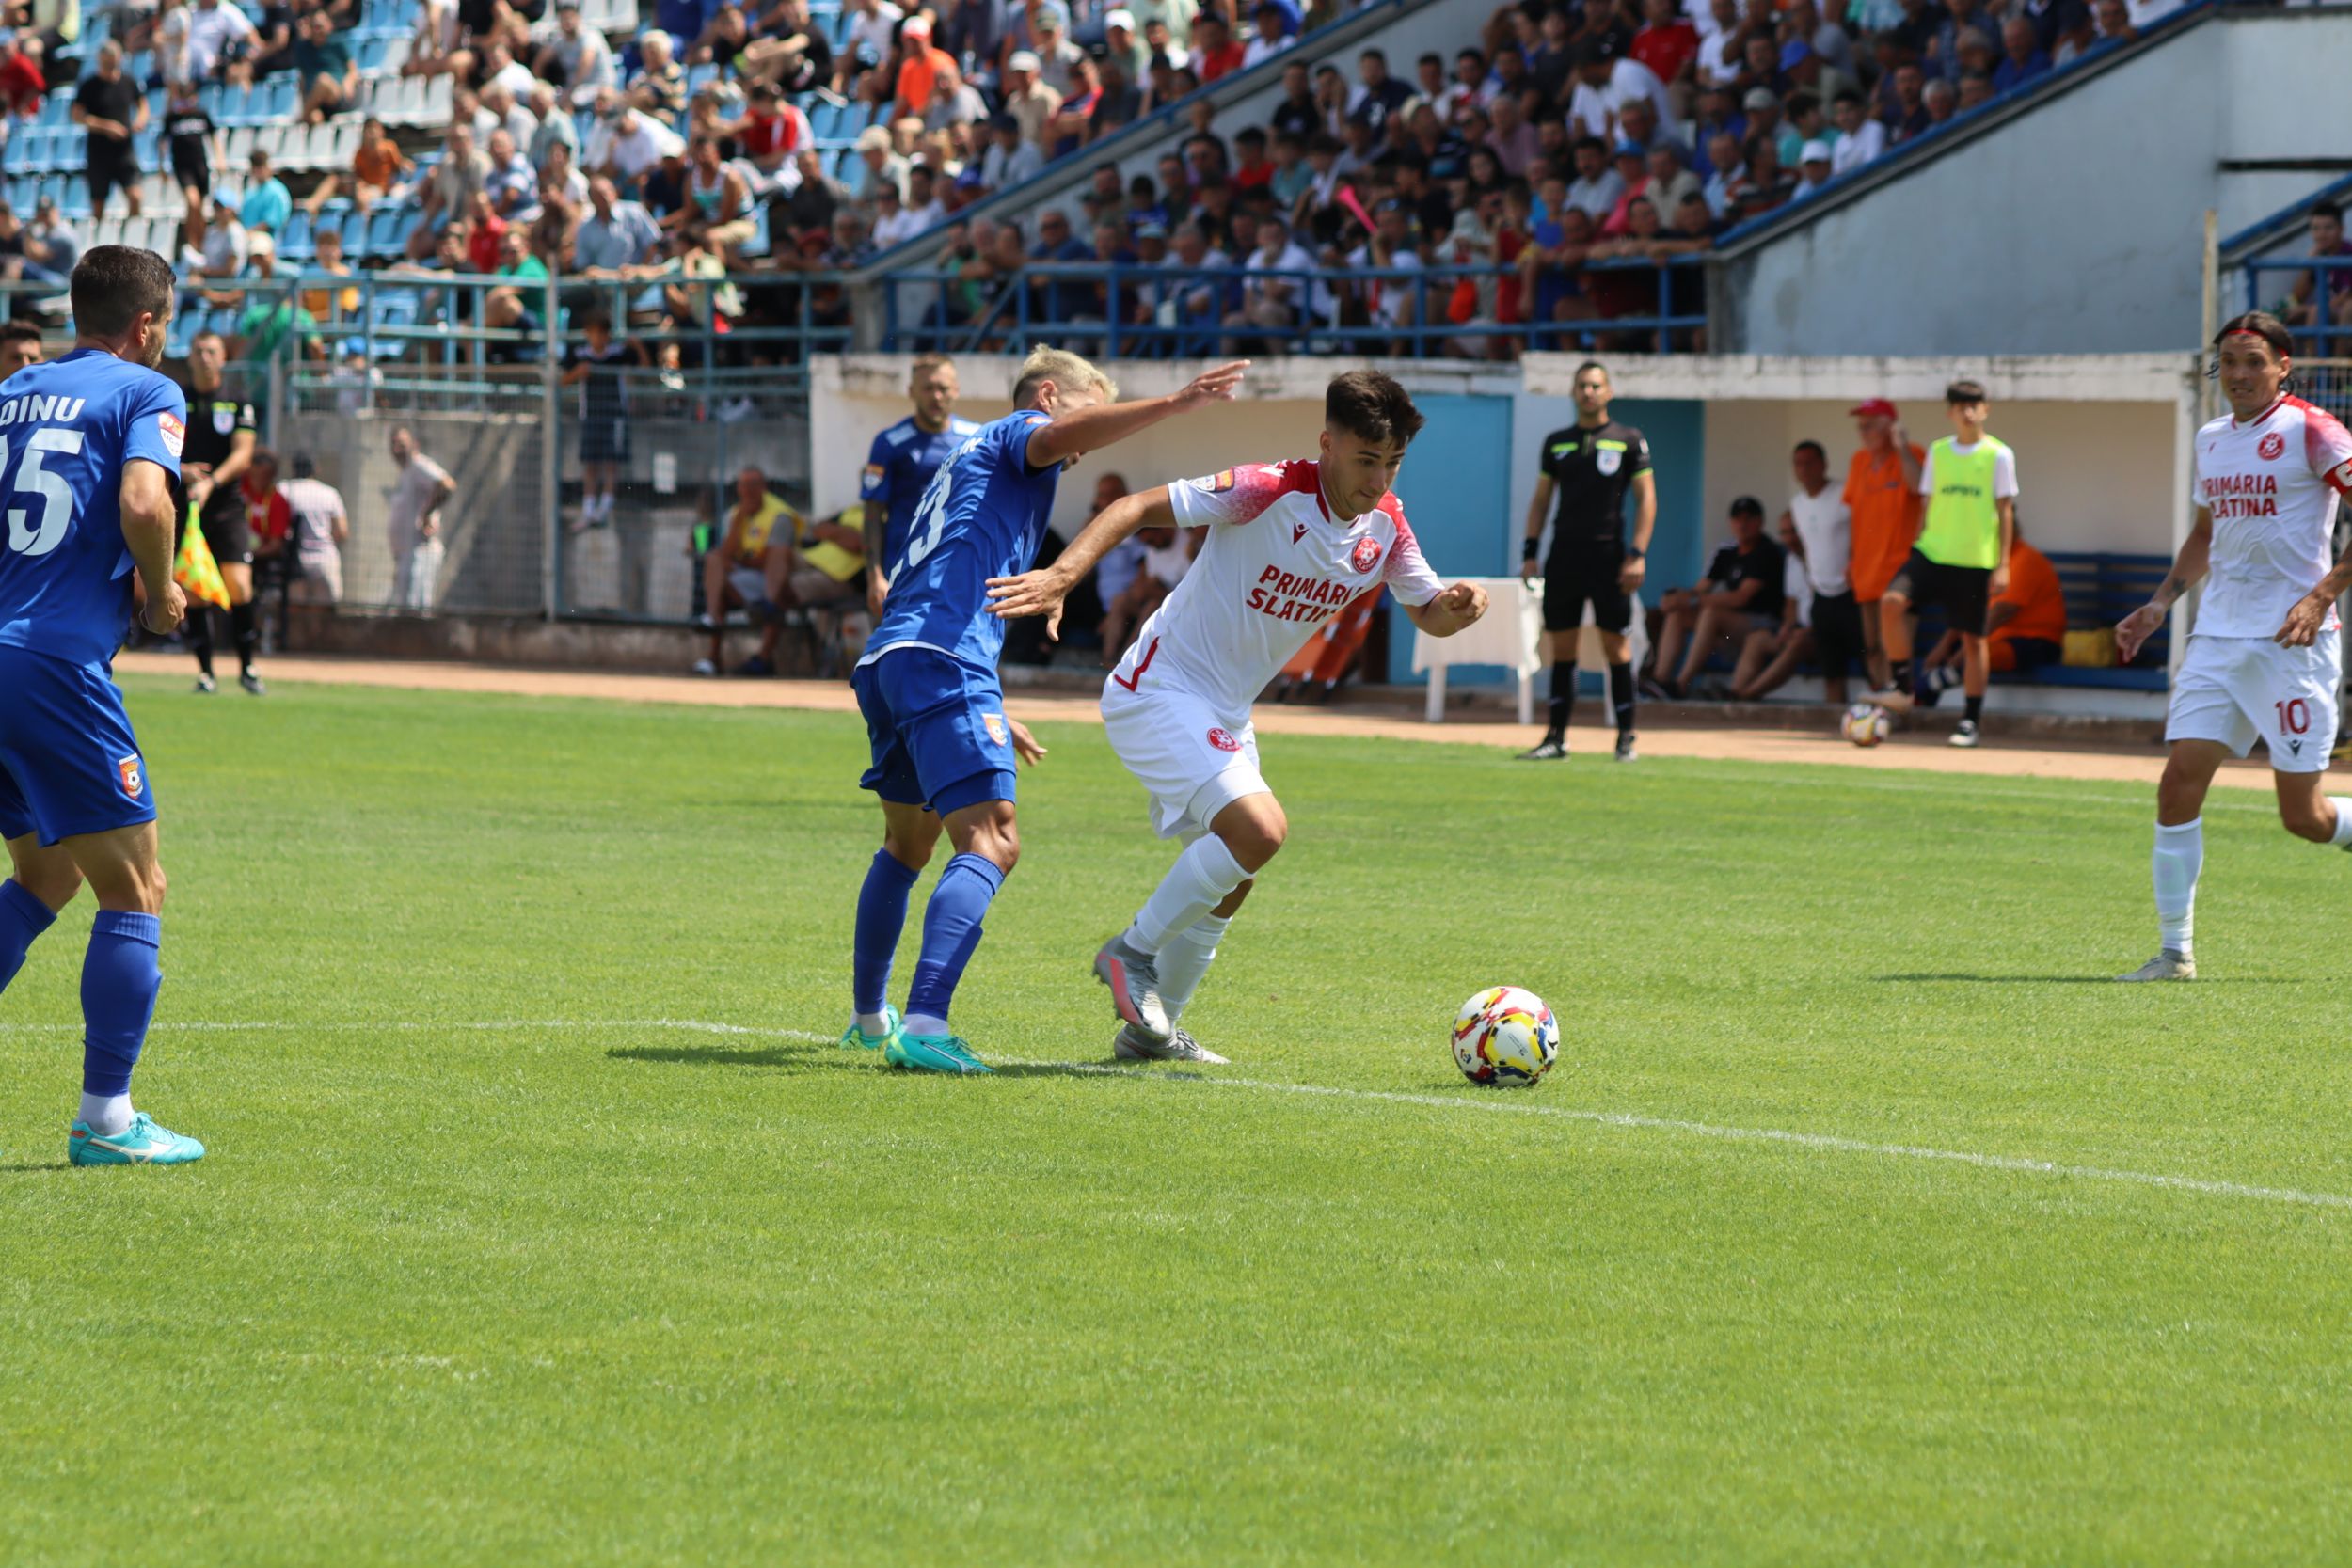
1814, 153
1024, 60
1121, 17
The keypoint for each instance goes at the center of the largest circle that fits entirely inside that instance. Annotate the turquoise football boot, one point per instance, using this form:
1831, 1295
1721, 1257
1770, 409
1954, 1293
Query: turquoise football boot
143, 1142
855, 1038
932, 1054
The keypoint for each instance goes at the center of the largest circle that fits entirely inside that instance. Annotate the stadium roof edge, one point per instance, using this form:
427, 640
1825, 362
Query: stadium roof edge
1964, 128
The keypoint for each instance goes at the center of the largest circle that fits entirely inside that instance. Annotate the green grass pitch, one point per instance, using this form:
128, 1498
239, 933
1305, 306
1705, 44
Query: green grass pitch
496, 1261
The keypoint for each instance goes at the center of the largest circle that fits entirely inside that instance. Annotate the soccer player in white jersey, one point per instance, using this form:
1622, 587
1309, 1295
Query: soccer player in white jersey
2264, 656
1290, 544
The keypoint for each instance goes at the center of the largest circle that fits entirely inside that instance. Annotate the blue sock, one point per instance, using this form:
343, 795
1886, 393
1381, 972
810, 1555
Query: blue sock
120, 980
882, 914
951, 928
23, 917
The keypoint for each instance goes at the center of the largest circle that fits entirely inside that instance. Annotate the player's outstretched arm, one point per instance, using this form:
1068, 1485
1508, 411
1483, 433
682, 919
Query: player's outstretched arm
1450, 611
1041, 591
1086, 430
146, 534
2133, 633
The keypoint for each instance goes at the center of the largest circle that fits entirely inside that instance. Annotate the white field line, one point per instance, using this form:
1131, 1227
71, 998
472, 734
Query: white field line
1497, 1102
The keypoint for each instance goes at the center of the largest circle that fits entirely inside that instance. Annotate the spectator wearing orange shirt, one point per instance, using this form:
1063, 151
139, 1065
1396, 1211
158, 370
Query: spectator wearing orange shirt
2024, 627
1882, 493
920, 66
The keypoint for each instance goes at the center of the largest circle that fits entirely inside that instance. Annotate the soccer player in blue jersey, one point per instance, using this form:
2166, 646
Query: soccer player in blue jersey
942, 748
89, 446
904, 457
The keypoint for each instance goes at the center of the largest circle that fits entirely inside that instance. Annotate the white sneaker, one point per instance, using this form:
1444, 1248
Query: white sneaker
705, 667
1133, 1045
1966, 734
1134, 978
2166, 965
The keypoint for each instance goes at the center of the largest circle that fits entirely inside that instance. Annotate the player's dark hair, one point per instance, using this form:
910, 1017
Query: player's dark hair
2325, 210
18, 330
1815, 448
1959, 392
260, 456
1372, 405
113, 285
1591, 365
1747, 506
2263, 325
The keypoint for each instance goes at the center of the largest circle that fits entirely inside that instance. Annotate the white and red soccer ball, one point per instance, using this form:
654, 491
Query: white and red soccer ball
1865, 724
1505, 1037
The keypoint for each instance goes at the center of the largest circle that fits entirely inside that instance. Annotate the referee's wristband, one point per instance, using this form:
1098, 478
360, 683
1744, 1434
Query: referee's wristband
1527, 551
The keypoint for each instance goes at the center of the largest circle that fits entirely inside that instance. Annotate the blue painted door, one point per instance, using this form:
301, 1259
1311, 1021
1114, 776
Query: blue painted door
1455, 485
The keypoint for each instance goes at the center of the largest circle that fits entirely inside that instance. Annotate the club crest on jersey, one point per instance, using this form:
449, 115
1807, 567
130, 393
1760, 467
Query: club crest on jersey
2271, 446
994, 724
1367, 554
174, 432
1223, 741
1607, 461
133, 780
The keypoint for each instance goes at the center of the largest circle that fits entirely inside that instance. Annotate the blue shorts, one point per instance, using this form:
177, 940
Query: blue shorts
938, 731
68, 763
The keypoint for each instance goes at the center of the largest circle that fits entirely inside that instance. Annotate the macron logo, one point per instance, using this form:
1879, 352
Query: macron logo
1299, 532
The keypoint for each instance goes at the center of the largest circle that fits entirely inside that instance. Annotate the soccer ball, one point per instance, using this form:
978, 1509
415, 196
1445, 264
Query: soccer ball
1865, 724
1505, 1037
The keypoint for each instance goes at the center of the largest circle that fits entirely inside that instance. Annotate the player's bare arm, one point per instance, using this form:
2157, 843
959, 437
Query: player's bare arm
1636, 567
1083, 430
1025, 745
1450, 611
1538, 508
2133, 633
148, 526
1042, 591
877, 518
2310, 614
1998, 583
1913, 468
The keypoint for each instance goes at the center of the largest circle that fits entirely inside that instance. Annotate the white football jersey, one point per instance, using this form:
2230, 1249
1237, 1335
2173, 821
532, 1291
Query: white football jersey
2271, 484
1276, 565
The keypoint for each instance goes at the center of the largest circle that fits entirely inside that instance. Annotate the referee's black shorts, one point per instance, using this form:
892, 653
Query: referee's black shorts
1836, 628
1581, 573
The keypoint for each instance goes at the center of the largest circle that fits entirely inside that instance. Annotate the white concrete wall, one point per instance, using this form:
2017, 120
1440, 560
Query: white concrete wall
2073, 228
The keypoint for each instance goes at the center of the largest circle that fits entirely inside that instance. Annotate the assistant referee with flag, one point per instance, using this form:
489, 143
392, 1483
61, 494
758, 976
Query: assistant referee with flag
1592, 467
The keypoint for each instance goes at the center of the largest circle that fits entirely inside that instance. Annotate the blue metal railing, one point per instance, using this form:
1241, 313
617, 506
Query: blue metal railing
1135, 311
2336, 274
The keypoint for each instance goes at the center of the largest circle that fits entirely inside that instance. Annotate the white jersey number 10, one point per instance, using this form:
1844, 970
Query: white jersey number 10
56, 498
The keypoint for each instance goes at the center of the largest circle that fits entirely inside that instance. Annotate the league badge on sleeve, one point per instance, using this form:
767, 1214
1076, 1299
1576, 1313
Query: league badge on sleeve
174, 434
1223, 481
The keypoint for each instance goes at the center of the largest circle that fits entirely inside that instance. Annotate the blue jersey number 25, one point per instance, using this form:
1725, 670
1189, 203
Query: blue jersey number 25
25, 537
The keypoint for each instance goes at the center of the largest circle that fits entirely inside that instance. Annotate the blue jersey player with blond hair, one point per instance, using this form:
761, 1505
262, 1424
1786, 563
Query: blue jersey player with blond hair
89, 445
942, 748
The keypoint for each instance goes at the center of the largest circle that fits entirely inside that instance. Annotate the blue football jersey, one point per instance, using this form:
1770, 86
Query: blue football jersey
983, 516
900, 468
67, 428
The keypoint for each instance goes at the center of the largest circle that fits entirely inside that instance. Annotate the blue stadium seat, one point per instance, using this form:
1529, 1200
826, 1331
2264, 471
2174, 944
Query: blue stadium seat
141, 66
284, 95
699, 77
382, 234
238, 107
295, 243
757, 245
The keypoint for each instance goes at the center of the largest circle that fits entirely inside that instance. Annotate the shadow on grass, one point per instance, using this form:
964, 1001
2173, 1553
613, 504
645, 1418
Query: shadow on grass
30, 1168
797, 1059
2091, 980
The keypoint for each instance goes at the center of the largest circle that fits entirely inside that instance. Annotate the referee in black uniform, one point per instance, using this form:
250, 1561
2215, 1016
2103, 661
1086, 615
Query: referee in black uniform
1591, 465
218, 446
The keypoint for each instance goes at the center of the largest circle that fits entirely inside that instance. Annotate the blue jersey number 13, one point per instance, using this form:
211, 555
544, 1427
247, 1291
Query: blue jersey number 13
56, 498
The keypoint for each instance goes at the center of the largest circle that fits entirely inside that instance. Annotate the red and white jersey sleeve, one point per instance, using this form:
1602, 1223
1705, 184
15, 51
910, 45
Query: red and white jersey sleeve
1280, 566
2271, 485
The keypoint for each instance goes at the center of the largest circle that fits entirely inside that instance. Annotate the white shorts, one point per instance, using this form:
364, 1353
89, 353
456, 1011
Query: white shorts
748, 582
1192, 762
2236, 689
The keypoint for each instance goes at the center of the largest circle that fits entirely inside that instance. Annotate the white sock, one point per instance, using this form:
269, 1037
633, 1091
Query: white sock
874, 1025
924, 1024
2344, 818
2180, 854
108, 1114
1200, 880
1186, 958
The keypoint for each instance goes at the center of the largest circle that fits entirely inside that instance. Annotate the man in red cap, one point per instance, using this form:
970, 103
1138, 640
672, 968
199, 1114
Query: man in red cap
1882, 493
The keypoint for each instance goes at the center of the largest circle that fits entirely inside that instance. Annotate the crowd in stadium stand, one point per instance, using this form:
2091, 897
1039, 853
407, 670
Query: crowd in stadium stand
753, 137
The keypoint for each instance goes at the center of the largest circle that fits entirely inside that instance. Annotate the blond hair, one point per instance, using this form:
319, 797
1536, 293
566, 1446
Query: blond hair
1063, 369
